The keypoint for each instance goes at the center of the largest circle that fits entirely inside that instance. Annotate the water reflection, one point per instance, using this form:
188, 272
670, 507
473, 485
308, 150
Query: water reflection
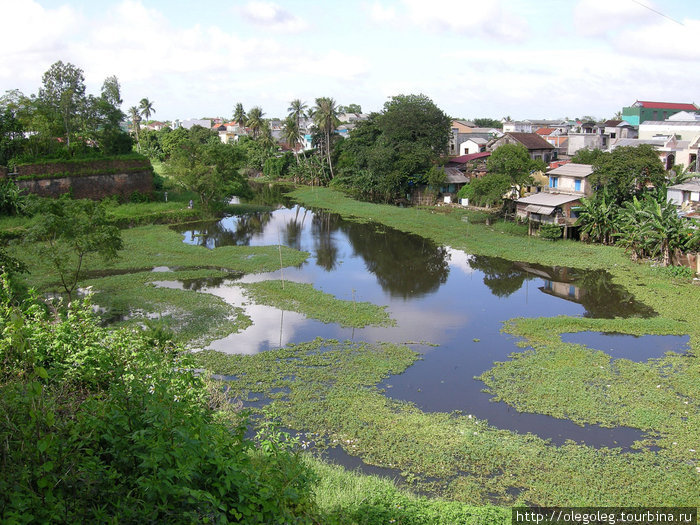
435, 293
632, 347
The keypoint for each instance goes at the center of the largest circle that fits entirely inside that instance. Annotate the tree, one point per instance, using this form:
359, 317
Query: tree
110, 137
350, 108
513, 160
239, 115
487, 190
62, 97
211, 170
586, 156
627, 171
146, 108
255, 120
488, 123
390, 151
135, 115
70, 231
325, 116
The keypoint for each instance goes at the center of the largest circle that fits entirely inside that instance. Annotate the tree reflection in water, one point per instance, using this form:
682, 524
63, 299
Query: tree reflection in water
405, 265
323, 225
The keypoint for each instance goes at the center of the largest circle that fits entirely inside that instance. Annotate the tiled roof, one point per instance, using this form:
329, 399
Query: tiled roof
544, 131
667, 105
531, 140
470, 157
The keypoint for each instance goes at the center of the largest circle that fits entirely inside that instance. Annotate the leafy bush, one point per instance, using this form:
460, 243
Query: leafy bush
103, 425
550, 232
487, 190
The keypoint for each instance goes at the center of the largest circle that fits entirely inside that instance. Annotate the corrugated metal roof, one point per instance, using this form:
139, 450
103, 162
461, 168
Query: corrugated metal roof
690, 185
572, 170
454, 176
542, 210
549, 199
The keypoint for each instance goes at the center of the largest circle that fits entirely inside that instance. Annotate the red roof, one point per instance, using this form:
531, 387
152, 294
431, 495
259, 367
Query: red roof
668, 105
470, 157
544, 131
557, 164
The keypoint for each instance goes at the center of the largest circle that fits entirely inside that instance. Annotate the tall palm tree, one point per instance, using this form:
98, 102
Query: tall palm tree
146, 108
255, 120
297, 111
290, 132
135, 119
239, 115
325, 115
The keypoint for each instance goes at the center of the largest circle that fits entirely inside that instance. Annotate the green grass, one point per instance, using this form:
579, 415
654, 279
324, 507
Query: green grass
348, 497
305, 299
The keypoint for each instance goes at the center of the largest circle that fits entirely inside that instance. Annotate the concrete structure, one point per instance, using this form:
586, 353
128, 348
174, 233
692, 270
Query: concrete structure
571, 179
187, 124
644, 110
683, 129
473, 145
686, 194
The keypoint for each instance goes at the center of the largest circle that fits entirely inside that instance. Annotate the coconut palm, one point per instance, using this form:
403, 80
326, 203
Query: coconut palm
135, 119
239, 115
325, 115
291, 135
146, 108
255, 120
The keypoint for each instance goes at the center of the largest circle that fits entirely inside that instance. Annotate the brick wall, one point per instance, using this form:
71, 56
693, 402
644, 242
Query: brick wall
85, 168
91, 186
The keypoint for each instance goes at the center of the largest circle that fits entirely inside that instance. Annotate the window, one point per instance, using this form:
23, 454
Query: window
553, 182
577, 184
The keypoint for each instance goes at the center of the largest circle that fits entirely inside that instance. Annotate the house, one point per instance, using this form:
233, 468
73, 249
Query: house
472, 165
187, 124
683, 129
473, 145
571, 179
454, 180
549, 208
556, 137
644, 110
685, 195
537, 147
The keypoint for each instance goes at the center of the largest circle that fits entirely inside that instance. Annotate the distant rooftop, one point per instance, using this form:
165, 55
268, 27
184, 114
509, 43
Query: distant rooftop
665, 105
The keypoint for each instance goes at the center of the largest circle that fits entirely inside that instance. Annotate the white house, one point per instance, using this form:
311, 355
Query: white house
473, 145
571, 179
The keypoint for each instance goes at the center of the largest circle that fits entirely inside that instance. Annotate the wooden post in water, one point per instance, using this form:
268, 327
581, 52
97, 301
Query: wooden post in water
279, 247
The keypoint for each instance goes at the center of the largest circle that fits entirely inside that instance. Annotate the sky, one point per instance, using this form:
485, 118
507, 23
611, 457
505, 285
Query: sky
526, 59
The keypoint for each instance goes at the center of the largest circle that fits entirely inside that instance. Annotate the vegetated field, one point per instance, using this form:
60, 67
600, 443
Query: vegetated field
327, 389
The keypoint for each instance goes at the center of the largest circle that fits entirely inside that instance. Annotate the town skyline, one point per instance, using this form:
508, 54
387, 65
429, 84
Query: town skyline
519, 59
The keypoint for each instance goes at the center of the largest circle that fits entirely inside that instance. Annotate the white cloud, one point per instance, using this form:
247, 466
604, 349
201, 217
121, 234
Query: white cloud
487, 18
272, 16
33, 34
600, 17
665, 40
381, 14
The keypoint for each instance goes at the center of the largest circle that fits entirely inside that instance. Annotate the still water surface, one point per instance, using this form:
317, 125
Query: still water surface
436, 294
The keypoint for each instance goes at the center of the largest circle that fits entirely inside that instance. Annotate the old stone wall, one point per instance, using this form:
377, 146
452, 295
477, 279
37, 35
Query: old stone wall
91, 186
91, 167
91, 179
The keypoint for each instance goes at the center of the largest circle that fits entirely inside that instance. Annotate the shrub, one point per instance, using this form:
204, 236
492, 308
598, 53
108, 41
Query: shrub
116, 426
550, 232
